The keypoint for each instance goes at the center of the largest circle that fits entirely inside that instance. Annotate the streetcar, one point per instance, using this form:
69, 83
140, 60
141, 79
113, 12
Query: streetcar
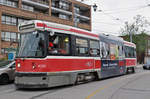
130, 56
52, 54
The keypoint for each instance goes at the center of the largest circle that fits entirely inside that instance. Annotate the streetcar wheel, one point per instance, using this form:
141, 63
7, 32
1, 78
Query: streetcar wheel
133, 70
77, 79
127, 71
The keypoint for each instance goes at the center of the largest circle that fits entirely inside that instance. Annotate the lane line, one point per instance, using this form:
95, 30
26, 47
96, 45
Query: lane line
102, 88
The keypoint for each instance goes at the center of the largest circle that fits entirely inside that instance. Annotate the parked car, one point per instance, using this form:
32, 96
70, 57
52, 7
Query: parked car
7, 71
146, 66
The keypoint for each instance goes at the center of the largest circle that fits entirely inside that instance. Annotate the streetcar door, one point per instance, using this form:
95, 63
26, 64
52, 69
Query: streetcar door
95, 53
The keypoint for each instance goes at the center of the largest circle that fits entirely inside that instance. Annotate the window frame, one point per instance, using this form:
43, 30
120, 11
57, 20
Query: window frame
128, 51
82, 54
9, 37
107, 50
9, 3
98, 48
11, 20
63, 35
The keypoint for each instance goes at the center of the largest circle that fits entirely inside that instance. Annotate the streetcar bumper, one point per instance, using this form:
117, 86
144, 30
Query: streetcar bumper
43, 80
31, 80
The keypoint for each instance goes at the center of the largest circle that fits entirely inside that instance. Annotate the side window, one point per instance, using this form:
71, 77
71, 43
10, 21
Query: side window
129, 52
134, 52
59, 44
81, 46
126, 52
104, 50
114, 52
121, 52
94, 48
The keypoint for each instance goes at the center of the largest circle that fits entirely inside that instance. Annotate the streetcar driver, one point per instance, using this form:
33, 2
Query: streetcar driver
51, 49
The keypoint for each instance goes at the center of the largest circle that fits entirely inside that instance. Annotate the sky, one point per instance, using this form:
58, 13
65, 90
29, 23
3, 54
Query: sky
112, 14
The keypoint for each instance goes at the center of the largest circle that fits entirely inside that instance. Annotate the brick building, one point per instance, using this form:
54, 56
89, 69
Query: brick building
12, 12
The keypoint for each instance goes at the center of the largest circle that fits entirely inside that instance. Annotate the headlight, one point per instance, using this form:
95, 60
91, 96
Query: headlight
33, 65
18, 65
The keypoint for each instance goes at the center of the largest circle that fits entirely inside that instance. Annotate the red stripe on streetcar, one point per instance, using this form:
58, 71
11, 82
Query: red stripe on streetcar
130, 62
71, 30
130, 44
56, 65
41, 25
82, 32
121, 63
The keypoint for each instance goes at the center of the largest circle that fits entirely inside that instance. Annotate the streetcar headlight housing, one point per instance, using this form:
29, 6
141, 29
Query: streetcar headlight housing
33, 66
18, 65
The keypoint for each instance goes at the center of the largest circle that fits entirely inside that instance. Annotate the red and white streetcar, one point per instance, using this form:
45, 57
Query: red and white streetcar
130, 56
52, 54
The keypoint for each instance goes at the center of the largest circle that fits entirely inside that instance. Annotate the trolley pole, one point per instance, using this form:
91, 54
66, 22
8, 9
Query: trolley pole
130, 36
129, 30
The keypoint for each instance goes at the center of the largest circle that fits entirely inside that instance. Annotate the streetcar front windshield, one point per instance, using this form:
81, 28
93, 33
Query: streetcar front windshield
32, 45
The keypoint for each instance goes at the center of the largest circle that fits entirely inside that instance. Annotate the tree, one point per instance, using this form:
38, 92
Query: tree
138, 26
138, 31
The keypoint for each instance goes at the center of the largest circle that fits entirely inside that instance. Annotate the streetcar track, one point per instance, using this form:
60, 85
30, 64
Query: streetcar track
12, 91
108, 85
51, 91
8, 91
139, 90
117, 92
42, 94
6, 88
131, 79
115, 82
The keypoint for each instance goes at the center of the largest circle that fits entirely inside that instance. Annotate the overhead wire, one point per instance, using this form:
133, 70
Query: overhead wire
116, 18
104, 31
147, 2
119, 10
126, 9
107, 23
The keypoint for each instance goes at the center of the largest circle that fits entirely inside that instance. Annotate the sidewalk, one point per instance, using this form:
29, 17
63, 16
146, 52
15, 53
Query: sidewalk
139, 65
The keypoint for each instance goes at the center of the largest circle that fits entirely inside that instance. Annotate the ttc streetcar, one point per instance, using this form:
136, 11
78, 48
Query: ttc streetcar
52, 54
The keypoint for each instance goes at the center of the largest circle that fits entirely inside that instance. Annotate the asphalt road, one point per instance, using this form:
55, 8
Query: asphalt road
131, 86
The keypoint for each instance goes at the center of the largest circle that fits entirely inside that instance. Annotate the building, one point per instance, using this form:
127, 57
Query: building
147, 51
12, 12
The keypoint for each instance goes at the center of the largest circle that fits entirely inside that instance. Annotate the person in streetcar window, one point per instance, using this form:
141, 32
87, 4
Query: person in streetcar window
51, 48
58, 44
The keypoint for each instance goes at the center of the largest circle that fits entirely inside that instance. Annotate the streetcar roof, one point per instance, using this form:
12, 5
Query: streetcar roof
126, 43
111, 39
43, 25
33, 25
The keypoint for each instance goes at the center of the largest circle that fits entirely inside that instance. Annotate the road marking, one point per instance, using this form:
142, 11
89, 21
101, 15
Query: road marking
102, 88
113, 83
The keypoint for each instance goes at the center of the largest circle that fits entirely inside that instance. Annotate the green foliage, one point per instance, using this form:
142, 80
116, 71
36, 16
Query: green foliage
138, 29
139, 40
